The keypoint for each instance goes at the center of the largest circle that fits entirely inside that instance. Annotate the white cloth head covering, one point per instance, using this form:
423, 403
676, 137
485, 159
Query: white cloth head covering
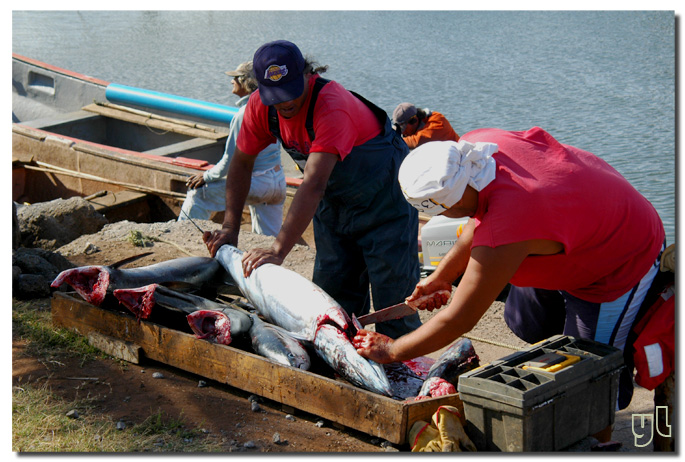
433, 177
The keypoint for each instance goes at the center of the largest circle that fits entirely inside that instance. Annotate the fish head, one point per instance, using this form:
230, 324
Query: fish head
90, 282
139, 301
436, 386
211, 325
299, 361
463, 347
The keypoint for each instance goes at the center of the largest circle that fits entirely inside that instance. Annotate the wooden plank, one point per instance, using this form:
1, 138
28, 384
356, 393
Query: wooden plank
330, 399
115, 347
83, 163
156, 122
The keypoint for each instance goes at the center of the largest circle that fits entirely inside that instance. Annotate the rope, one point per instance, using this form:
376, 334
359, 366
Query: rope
155, 130
175, 245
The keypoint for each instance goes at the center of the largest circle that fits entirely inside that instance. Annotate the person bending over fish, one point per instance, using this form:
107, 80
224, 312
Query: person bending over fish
350, 155
420, 125
579, 244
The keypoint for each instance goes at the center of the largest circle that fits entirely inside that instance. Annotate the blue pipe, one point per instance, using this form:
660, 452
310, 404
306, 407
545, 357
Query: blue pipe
121, 94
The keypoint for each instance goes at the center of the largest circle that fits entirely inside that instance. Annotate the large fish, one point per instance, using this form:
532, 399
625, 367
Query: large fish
227, 321
93, 282
277, 344
284, 297
443, 375
296, 304
335, 348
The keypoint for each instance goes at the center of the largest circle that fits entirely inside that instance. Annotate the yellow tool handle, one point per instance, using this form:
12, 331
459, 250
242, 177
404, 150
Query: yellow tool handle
570, 359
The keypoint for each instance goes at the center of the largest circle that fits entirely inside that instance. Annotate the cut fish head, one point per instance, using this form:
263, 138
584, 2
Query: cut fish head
90, 282
139, 301
211, 325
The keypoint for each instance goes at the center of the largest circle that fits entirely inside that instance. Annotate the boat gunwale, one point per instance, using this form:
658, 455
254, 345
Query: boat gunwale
59, 70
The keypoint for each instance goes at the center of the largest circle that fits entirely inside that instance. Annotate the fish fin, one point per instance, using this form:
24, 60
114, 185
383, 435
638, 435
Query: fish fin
298, 337
131, 259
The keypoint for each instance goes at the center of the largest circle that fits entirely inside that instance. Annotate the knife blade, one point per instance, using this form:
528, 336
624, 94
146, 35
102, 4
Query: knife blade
387, 314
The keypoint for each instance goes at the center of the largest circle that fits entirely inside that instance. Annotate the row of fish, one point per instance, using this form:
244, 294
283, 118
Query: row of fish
299, 315
218, 322
94, 282
296, 304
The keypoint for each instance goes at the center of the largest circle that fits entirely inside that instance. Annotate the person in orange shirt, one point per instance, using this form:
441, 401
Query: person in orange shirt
419, 126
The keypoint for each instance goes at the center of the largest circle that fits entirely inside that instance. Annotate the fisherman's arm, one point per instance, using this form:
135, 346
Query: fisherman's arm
221, 168
301, 211
489, 270
238, 183
452, 265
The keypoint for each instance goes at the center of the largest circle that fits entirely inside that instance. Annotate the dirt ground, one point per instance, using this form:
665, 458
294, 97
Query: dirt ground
129, 393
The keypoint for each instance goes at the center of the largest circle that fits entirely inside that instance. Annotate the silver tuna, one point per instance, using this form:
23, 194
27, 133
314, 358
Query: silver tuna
284, 297
277, 344
296, 304
335, 348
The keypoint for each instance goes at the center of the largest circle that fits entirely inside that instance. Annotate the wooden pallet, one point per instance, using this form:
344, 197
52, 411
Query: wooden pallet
330, 399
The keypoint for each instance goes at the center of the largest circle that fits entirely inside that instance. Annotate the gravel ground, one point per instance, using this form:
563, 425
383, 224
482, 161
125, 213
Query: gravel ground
491, 337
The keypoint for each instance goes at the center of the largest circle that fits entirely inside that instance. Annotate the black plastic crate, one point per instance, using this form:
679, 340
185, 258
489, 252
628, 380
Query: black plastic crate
546, 408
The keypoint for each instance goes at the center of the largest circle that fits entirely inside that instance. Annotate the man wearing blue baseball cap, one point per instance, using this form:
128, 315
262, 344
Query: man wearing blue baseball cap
365, 232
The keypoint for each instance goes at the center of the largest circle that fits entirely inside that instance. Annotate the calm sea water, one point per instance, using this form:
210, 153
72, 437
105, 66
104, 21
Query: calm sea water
603, 81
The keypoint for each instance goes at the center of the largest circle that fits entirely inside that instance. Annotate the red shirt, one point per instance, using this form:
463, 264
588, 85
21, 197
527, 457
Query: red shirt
545, 190
341, 122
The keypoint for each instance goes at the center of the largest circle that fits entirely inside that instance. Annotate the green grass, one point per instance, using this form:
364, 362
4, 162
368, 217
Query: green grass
31, 321
40, 424
39, 417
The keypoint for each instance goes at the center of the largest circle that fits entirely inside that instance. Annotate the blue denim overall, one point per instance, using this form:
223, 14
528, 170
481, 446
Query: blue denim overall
365, 231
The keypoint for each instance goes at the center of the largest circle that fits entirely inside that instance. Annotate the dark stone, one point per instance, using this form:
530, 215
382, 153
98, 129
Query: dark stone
50, 225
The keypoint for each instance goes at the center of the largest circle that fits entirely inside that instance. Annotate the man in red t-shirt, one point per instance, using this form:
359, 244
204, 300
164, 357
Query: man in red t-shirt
578, 243
365, 233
